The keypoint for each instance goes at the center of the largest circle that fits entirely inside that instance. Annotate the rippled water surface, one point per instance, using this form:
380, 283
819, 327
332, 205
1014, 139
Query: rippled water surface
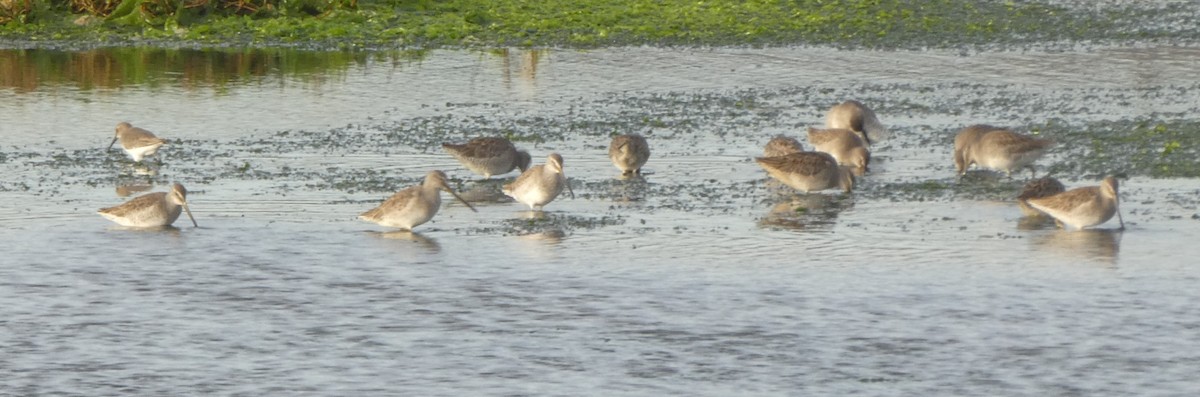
702, 278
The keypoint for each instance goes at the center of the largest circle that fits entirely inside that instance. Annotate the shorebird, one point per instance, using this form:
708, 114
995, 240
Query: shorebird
781, 145
414, 205
1038, 188
808, 171
489, 156
151, 209
1082, 207
997, 149
629, 153
540, 184
967, 137
855, 116
846, 146
137, 143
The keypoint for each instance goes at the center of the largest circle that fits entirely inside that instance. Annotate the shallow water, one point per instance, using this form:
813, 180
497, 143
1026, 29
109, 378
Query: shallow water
702, 278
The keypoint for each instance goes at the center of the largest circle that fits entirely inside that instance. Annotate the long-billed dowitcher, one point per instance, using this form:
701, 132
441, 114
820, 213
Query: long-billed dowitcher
151, 209
855, 116
1082, 207
540, 184
808, 171
629, 153
967, 137
1038, 188
413, 205
781, 145
997, 149
846, 146
137, 143
489, 156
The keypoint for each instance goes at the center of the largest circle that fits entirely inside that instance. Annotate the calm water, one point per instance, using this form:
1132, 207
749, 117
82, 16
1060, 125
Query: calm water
700, 279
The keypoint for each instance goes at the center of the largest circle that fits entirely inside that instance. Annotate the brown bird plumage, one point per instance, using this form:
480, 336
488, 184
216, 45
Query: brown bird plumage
136, 142
1038, 188
1082, 207
967, 137
781, 145
540, 184
629, 153
846, 146
855, 116
808, 171
489, 156
413, 205
151, 210
997, 149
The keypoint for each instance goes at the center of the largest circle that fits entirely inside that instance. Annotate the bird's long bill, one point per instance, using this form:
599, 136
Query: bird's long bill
1119, 218
568, 183
110, 144
460, 199
189, 212
865, 137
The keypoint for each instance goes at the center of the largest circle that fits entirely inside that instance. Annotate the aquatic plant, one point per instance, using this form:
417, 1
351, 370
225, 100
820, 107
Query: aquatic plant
1148, 146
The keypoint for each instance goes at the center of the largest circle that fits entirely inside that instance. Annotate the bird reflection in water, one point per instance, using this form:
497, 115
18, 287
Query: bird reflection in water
1036, 222
548, 236
523, 65
807, 212
628, 189
532, 215
1102, 244
539, 227
167, 230
144, 169
542, 245
418, 239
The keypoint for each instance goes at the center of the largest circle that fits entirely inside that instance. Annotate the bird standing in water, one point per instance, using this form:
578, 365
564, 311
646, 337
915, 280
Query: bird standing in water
489, 156
808, 171
540, 184
136, 142
629, 153
846, 146
151, 209
997, 149
414, 205
1082, 207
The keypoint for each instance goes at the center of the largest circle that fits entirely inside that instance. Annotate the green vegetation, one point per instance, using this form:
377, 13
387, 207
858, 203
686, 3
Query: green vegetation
580, 23
26, 70
1153, 147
